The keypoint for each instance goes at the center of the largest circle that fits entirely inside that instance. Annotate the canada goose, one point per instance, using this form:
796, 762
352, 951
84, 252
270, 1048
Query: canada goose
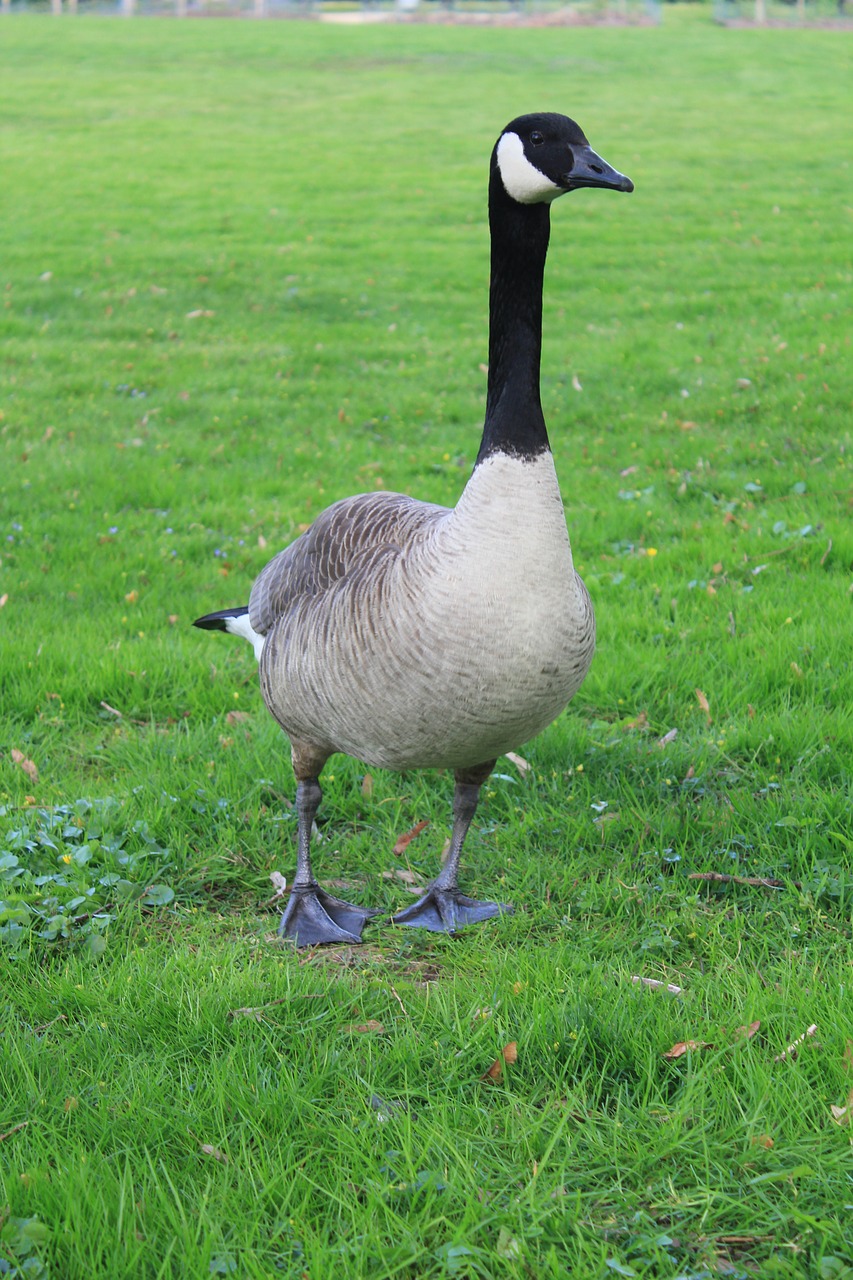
411, 635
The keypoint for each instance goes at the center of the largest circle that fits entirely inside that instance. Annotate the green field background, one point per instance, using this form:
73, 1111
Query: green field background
244, 272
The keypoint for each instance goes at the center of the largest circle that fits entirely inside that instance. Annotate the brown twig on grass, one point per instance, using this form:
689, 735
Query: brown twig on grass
256, 1011
60, 1017
791, 1051
15, 1129
756, 882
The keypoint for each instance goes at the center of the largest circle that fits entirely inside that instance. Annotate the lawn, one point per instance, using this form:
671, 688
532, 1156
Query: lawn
244, 272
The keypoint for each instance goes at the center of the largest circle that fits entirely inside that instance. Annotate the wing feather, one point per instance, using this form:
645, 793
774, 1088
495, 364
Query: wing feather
344, 539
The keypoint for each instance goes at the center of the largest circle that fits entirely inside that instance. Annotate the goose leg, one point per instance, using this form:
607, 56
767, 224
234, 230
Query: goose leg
443, 909
313, 916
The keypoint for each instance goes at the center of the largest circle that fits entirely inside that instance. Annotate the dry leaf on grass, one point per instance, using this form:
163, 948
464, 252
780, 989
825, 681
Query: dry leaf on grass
843, 1115
746, 1033
668, 738
237, 717
413, 883
279, 883
656, 985
686, 1046
703, 703
508, 1054
361, 1028
522, 765
762, 1140
27, 765
406, 839
208, 1150
404, 874
367, 786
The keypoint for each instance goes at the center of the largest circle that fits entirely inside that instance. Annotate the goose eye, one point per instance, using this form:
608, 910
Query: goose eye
536, 138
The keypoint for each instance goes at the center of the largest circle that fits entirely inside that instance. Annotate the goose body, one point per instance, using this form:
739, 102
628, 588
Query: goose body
411, 635
420, 691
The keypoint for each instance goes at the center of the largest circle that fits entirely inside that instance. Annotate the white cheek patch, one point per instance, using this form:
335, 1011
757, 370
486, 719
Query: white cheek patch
241, 626
521, 179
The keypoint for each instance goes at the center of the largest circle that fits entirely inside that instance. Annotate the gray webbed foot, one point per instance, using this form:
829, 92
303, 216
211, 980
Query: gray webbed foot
313, 917
445, 910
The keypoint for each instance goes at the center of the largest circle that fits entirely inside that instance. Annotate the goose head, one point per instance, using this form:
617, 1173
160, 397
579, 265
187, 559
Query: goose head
540, 157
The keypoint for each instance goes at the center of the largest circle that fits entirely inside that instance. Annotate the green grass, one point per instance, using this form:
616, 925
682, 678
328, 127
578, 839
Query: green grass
244, 272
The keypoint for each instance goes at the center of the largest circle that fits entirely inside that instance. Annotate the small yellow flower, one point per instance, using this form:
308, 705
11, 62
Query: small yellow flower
579, 769
651, 551
66, 858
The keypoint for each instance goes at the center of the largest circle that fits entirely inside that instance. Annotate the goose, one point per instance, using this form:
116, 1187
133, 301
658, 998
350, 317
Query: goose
414, 636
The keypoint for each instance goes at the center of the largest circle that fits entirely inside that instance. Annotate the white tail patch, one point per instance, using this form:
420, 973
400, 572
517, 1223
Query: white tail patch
521, 179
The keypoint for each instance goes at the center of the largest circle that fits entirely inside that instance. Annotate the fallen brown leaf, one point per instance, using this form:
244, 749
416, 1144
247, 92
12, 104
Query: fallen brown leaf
280, 884
657, 985
843, 1115
215, 1152
237, 717
360, 1028
367, 786
703, 703
686, 1046
3, 599
762, 1140
522, 765
406, 839
746, 1033
403, 873
668, 738
508, 1054
28, 766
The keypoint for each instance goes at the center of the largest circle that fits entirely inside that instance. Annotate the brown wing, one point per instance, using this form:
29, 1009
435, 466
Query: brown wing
343, 539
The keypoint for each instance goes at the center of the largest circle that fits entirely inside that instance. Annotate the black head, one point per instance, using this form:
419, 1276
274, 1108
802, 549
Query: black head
542, 156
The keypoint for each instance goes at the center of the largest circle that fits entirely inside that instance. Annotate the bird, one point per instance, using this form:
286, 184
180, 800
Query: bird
415, 636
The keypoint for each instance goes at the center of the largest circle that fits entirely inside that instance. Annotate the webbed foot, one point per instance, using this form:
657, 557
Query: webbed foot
313, 917
447, 910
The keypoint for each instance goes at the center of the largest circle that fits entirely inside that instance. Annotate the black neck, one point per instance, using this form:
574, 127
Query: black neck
514, 420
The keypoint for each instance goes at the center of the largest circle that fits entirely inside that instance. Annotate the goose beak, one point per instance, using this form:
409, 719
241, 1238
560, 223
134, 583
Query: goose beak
589, 170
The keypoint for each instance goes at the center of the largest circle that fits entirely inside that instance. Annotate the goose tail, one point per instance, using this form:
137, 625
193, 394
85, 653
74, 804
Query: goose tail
236, 623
